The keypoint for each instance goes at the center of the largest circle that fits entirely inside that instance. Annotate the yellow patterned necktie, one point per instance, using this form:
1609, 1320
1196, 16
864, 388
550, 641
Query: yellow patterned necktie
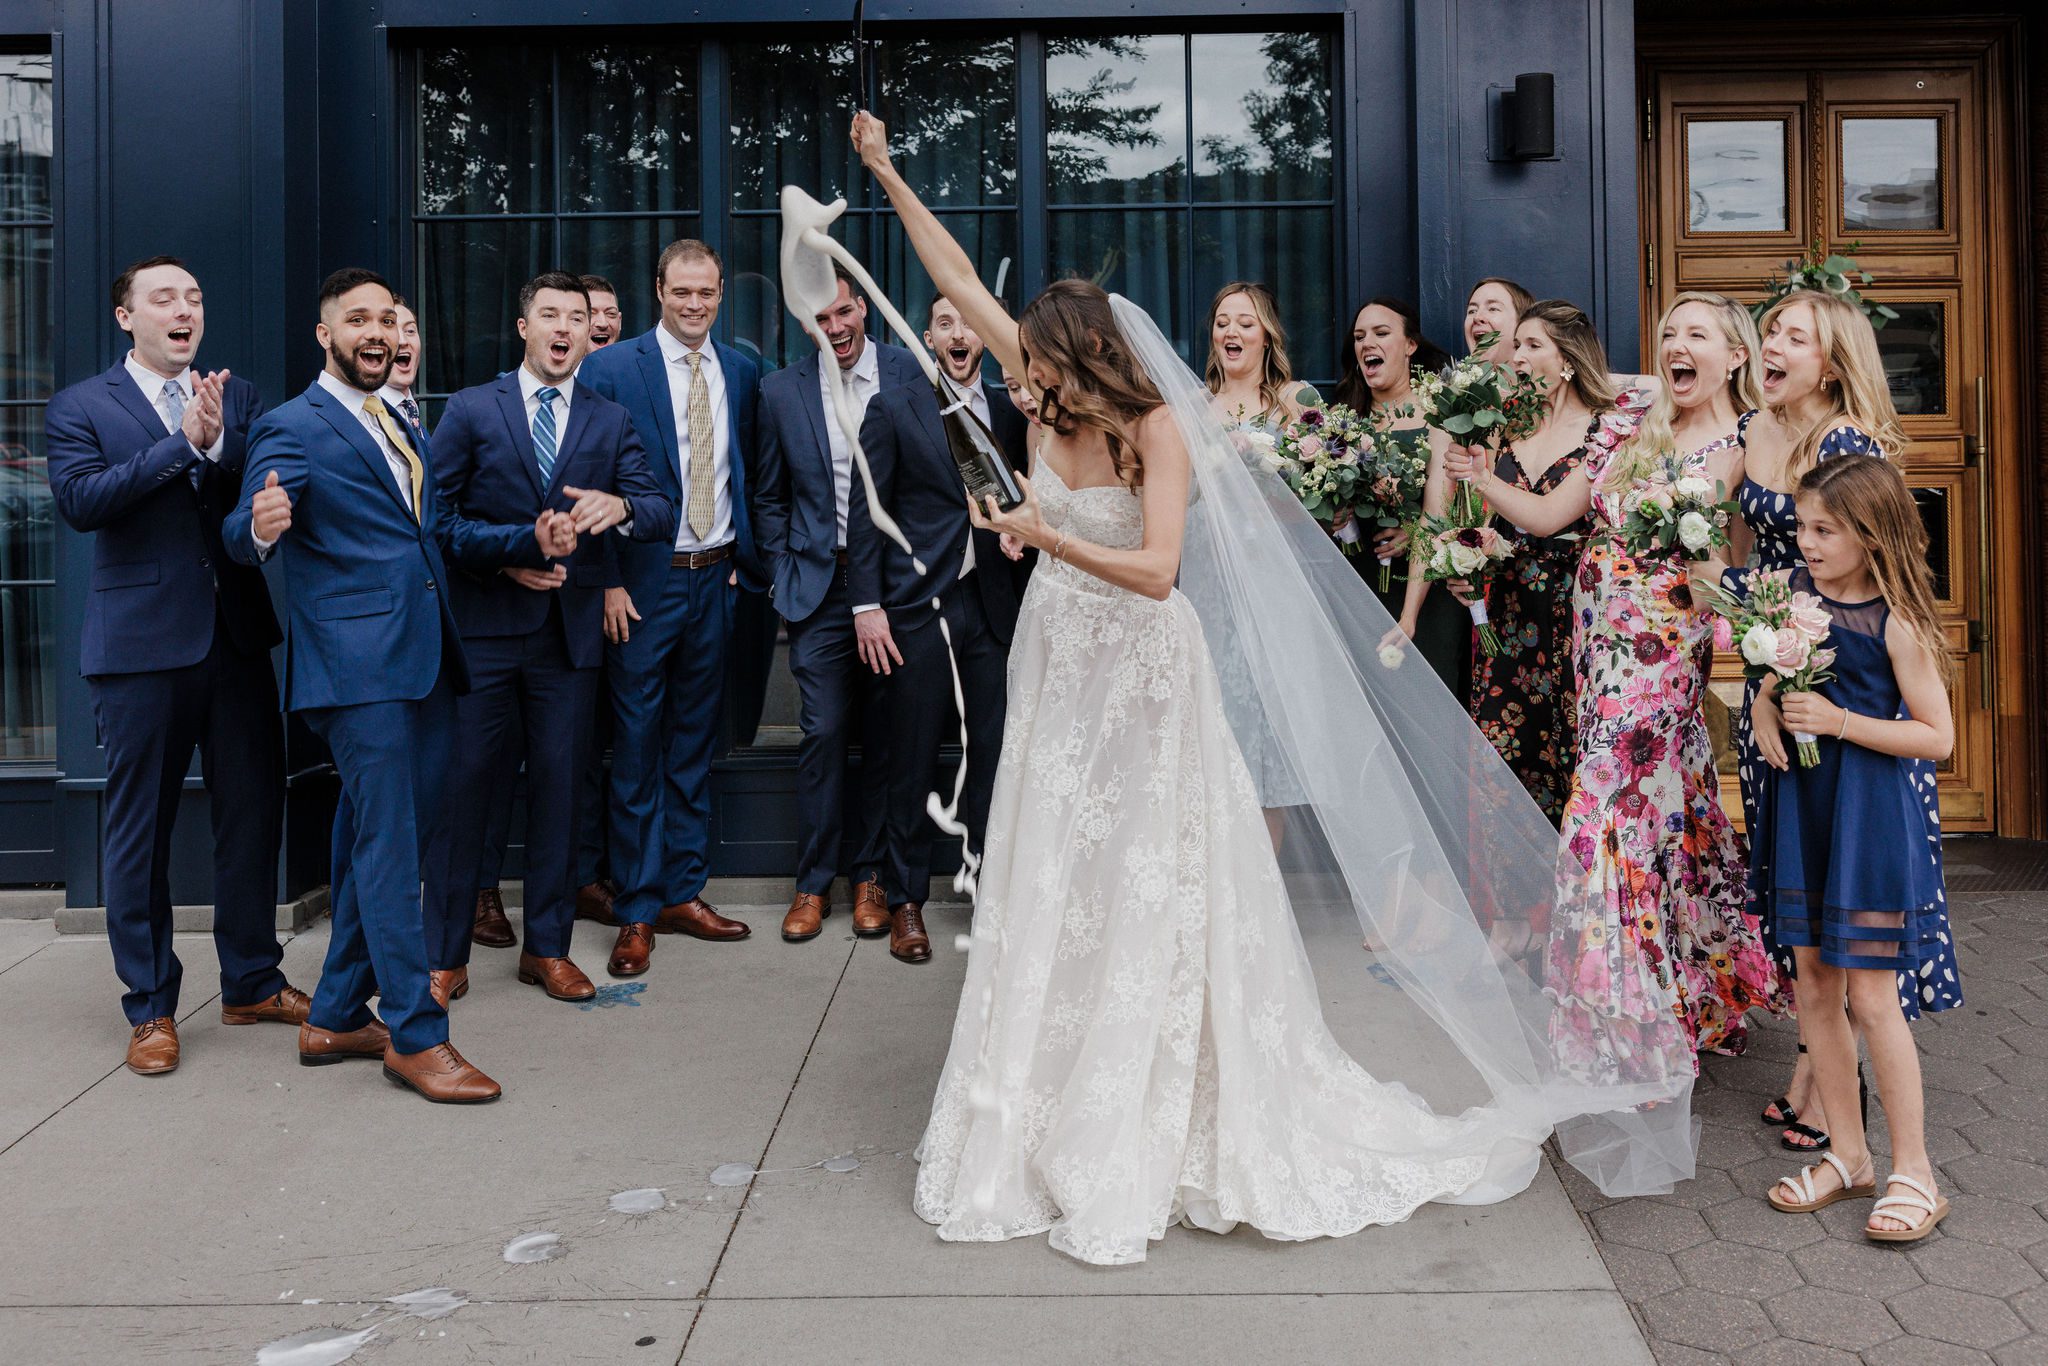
395, 434
703, 506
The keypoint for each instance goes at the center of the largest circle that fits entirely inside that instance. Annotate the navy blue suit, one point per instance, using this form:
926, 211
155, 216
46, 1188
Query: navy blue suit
176, 648
918, 483
838, 695
536, 654
373, 661
668, 678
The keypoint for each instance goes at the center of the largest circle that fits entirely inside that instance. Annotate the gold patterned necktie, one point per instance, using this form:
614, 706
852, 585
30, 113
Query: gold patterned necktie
703, 506
395, 434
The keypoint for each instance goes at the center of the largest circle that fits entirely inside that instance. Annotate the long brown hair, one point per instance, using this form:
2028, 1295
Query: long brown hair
1859, 396
1592, 378
1276, 375
1071, 328
1352, 391
1869, 494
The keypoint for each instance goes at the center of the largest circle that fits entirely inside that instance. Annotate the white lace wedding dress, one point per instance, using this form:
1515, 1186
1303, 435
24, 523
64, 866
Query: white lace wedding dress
1139, 1039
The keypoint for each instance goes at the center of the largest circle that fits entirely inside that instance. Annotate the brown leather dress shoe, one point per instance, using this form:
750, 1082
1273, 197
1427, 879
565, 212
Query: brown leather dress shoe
442, 1075
319, 1047
492, 929
907, 939
697, 919
807, 912
630, 954
288, 1006
153, 1047
558, 977
594, 902
870, 910
447, 984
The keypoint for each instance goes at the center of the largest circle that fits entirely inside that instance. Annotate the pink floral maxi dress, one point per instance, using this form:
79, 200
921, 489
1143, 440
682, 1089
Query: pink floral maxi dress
1653, 928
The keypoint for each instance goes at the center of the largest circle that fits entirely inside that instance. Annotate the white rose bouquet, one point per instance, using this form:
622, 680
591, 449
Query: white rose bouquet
1465, 545
1675, 514
1779, 632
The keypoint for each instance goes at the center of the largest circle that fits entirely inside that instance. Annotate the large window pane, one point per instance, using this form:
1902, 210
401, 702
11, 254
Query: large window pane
26, 319
27, 599
1116, 118
791, 104
1290, 252
1262, 115
28, 129
1140, 254
484, 125
951, 107
1735, 175
1891, 174
1914, 346
470, 275
623, 251
629, 127
761, 327
990, 240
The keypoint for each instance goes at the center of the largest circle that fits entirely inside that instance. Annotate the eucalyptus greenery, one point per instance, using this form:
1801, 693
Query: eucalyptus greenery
1833, 274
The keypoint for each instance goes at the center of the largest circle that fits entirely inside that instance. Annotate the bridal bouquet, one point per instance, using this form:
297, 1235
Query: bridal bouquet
1779, 632
1675, 514
1465, 545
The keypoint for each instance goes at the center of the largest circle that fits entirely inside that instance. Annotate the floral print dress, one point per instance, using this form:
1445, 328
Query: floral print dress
1653, 922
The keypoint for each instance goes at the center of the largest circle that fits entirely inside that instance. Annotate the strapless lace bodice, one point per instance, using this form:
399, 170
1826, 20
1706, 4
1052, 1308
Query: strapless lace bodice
1108, 514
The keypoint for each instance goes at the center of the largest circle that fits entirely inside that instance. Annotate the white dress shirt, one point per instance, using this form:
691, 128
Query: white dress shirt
153, 385
675, 354
396, 398
866, 380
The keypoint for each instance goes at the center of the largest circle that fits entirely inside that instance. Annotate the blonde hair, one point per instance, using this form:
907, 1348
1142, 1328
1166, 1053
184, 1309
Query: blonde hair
1653, 438
1276, 374
1572, 331
1870, 495
1859, 397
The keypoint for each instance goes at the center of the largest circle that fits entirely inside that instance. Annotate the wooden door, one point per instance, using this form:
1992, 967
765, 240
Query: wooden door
1896, 162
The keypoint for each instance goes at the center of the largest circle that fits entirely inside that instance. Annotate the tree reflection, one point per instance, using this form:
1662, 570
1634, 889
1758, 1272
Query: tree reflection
1085, 120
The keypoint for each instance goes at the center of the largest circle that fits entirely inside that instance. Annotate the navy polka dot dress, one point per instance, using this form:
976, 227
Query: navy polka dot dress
1933, 984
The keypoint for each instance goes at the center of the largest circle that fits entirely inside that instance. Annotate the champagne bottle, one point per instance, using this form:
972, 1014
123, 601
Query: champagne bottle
983, 468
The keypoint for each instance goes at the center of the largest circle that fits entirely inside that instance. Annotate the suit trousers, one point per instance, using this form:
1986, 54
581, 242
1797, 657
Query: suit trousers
838, 698
520, 686
668, 700
498, 819
922, 717
226, 706
593, 816
392, 758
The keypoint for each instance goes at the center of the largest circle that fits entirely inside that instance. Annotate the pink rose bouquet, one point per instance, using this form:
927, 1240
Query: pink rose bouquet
1779, 632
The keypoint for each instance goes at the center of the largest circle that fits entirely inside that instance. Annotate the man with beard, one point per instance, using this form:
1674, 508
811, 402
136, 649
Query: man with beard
335, 491
918, 483
533, 632
604, 311
176, 650
808, 486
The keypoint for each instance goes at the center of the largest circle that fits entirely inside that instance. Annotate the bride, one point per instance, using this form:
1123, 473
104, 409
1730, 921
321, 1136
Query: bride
1141, 1040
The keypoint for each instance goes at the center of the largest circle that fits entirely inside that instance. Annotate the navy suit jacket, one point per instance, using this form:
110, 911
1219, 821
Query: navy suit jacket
799, 514
366, 593
156, 552
634, 375
918, 483
491, 490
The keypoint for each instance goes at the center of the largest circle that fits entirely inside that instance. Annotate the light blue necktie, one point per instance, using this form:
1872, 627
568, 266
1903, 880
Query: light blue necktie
170, 401
544, 434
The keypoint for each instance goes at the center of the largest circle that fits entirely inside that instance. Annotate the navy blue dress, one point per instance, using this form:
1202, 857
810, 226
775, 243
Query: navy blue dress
1837, 859
1772, 518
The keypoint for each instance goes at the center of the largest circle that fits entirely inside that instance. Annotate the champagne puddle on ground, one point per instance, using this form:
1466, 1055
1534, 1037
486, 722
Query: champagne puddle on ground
739, 1173
435, 1302
614, 994
534, 1247
315, 1347
646, 1200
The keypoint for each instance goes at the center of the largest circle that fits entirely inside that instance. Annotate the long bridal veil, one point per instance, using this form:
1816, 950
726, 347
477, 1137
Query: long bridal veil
1406, 818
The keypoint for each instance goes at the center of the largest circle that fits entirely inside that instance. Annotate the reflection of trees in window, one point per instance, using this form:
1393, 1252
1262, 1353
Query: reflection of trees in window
951, 106
1085, 120
1285, 134
629, 117
483, 130
782, 94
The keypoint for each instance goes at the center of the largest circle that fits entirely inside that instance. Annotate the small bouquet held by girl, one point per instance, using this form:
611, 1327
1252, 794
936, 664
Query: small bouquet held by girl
1671, 513
1482, 406
1779, 632
1338, 463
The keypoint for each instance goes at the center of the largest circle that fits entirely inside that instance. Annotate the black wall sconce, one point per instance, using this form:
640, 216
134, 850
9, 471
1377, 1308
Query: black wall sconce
1521, 122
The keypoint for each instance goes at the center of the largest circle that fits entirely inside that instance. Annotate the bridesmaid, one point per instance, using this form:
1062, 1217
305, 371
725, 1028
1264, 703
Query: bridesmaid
1495, 305
1523, 698
1824, 395
1248, 369
1653, 920
1387, 346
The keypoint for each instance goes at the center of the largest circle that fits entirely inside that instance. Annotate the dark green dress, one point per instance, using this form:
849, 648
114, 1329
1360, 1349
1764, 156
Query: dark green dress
1443, 631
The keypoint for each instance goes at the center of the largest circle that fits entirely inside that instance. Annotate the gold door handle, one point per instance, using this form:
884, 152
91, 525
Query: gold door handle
1980, 456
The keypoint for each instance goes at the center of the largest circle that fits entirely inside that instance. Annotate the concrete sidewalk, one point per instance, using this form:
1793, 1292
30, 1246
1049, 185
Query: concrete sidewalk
243, 1200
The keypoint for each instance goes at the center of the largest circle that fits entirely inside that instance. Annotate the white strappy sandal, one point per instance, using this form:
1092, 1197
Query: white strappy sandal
1808, 1201
1931, 1210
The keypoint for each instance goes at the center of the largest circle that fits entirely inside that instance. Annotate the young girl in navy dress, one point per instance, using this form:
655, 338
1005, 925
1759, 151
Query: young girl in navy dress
1840, 852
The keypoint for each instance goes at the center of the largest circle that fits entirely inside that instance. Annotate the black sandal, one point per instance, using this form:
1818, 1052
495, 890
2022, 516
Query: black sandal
1821, 1142
1785, 1115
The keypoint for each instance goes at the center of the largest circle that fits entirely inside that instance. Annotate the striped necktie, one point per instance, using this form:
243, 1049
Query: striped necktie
545, 437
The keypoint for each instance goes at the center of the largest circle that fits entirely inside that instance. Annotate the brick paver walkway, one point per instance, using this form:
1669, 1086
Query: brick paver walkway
1715, 1275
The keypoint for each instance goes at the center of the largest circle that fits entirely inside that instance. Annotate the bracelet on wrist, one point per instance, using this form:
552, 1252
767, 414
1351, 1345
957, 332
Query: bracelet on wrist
1844, 731
1059, 548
